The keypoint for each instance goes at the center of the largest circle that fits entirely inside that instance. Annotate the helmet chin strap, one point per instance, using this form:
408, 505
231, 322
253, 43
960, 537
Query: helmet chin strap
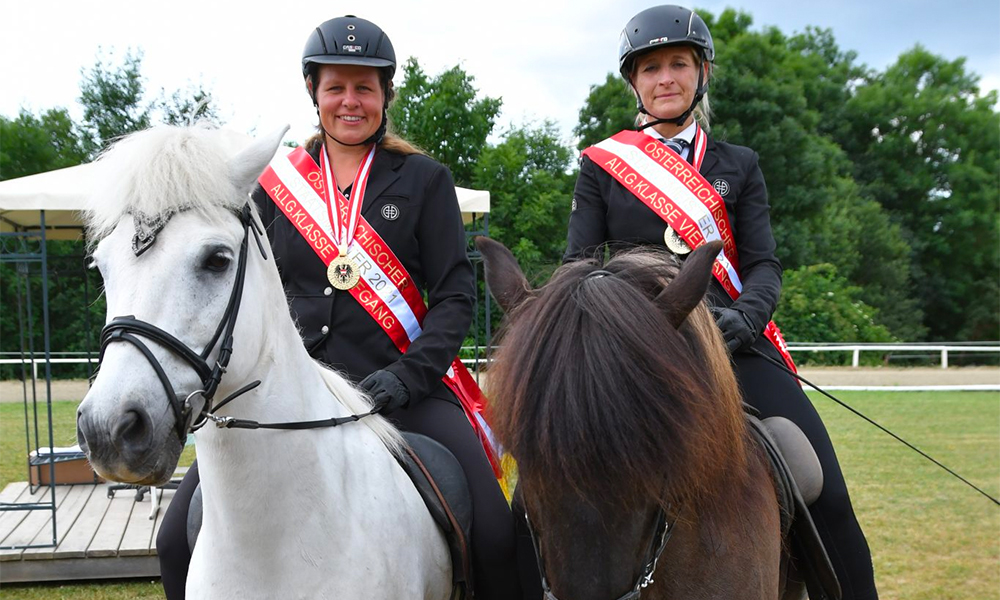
678, 121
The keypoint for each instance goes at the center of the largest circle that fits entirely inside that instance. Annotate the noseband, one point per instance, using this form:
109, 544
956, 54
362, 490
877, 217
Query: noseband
661, 534
126, 329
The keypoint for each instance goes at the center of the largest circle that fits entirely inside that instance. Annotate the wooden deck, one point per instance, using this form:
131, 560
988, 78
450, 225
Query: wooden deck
98, 537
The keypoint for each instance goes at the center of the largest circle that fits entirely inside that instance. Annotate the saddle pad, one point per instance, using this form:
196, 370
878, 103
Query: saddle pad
439, 478
808, 552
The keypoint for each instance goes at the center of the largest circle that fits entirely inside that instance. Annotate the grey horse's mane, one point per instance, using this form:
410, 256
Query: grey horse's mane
163, 170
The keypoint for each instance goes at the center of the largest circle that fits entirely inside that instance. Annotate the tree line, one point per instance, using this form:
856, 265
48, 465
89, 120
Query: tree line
884, 184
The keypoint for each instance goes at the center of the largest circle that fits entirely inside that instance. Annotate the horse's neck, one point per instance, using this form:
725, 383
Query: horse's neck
240, 467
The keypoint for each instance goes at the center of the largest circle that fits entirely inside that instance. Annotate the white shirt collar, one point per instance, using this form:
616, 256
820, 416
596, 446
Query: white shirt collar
687, 135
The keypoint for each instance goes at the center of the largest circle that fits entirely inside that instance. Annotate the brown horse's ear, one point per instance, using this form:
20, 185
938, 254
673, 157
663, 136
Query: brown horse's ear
684, 293
503, 275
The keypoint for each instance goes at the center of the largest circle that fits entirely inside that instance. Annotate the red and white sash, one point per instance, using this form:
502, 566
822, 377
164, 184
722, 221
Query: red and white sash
296, 185
677, 193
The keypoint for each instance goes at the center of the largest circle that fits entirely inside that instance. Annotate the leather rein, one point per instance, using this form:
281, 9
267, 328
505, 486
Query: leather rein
129, 329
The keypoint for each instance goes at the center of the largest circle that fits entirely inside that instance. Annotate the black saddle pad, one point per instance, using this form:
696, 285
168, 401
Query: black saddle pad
439, 478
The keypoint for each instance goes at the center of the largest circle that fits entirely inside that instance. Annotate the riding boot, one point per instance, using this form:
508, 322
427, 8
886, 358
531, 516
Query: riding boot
527, 561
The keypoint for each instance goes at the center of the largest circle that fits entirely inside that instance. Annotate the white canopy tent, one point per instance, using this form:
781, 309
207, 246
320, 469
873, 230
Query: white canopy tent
62, 193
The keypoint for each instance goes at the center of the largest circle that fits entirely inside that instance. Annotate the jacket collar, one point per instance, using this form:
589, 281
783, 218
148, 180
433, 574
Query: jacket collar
384, 171
710, 155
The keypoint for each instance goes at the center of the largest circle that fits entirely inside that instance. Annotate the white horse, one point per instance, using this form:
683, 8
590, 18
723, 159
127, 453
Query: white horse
320, 513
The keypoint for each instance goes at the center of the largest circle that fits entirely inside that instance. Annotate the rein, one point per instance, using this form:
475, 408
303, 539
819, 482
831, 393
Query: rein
661, 535
129, 329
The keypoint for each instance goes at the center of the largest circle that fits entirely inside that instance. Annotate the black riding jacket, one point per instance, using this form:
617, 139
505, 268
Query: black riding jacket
425, 232
604, 211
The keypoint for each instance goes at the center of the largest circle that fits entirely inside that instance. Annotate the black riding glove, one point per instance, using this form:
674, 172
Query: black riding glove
737, 329
387, 392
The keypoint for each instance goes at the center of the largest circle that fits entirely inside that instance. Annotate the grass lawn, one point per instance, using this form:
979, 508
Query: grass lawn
932, 537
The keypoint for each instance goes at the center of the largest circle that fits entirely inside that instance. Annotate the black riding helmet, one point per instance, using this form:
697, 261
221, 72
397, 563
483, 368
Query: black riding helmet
350, 40
660, 26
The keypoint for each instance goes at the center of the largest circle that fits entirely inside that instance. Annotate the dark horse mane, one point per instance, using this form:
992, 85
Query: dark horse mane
593, 388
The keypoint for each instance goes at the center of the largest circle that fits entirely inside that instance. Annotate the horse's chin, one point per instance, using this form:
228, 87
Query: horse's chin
123, 476
153, 471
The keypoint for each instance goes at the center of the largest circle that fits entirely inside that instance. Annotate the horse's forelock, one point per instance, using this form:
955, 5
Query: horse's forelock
159, 170
594, 389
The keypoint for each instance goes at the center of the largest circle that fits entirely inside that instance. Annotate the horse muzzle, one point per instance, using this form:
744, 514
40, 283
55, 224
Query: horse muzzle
127, 445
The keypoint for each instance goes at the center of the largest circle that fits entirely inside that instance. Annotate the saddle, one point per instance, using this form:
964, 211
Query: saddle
798, 479
441, 482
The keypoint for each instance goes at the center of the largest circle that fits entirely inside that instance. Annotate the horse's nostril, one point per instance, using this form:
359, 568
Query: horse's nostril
132, 433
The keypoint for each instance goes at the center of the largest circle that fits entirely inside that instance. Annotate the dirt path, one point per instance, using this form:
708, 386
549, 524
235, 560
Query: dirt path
76, 389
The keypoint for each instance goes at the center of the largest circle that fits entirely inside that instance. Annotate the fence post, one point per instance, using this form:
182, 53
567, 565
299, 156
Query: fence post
855, 359
944, 358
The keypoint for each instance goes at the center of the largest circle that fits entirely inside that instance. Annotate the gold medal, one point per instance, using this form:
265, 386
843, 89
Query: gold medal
675, 242
343, 273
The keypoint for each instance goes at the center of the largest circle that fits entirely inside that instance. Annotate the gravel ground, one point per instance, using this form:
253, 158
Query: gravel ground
75, 389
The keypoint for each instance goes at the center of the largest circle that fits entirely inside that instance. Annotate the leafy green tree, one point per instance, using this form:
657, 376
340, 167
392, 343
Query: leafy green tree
531, 186
819, 305
609, 108
112, 99
860, 239
36, 144
926, 146
442, 115
113, 106
188, 106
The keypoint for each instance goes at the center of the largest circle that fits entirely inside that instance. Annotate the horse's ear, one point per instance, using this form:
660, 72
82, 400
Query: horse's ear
684, 293
245, 167
503, 275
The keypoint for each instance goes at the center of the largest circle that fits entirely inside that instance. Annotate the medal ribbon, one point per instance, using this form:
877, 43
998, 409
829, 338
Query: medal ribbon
679, 195
345, 218
384, 289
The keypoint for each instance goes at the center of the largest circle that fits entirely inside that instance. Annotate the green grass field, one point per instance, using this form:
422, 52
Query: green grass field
932, 537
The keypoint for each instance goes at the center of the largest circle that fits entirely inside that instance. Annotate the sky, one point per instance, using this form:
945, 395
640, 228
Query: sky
540, 57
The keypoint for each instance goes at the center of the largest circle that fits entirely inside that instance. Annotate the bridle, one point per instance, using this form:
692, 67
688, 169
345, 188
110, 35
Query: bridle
129, 329
661, 534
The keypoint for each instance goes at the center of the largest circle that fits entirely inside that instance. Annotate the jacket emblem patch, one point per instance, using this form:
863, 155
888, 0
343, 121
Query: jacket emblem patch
390, 212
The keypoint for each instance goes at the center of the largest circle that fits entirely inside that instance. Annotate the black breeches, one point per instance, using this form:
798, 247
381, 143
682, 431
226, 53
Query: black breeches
171, 541
494, 557
493, 538
775, 393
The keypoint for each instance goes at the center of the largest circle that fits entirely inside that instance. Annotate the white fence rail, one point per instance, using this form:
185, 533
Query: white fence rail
854, 349
857, 349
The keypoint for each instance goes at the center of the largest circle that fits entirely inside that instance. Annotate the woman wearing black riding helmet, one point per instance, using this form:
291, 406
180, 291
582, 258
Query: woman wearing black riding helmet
633, 191
384, 189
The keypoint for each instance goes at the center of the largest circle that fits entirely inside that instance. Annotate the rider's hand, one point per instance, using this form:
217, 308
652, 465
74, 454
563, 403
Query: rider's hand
737, 329
387, 392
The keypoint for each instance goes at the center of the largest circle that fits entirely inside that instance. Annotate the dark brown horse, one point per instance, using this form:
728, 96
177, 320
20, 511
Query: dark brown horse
613, 391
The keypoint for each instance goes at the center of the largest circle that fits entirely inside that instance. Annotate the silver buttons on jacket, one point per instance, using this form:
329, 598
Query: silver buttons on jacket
325, 330
328, 291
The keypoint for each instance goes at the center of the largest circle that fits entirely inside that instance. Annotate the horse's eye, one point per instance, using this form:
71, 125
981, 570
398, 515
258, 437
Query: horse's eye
218, 262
